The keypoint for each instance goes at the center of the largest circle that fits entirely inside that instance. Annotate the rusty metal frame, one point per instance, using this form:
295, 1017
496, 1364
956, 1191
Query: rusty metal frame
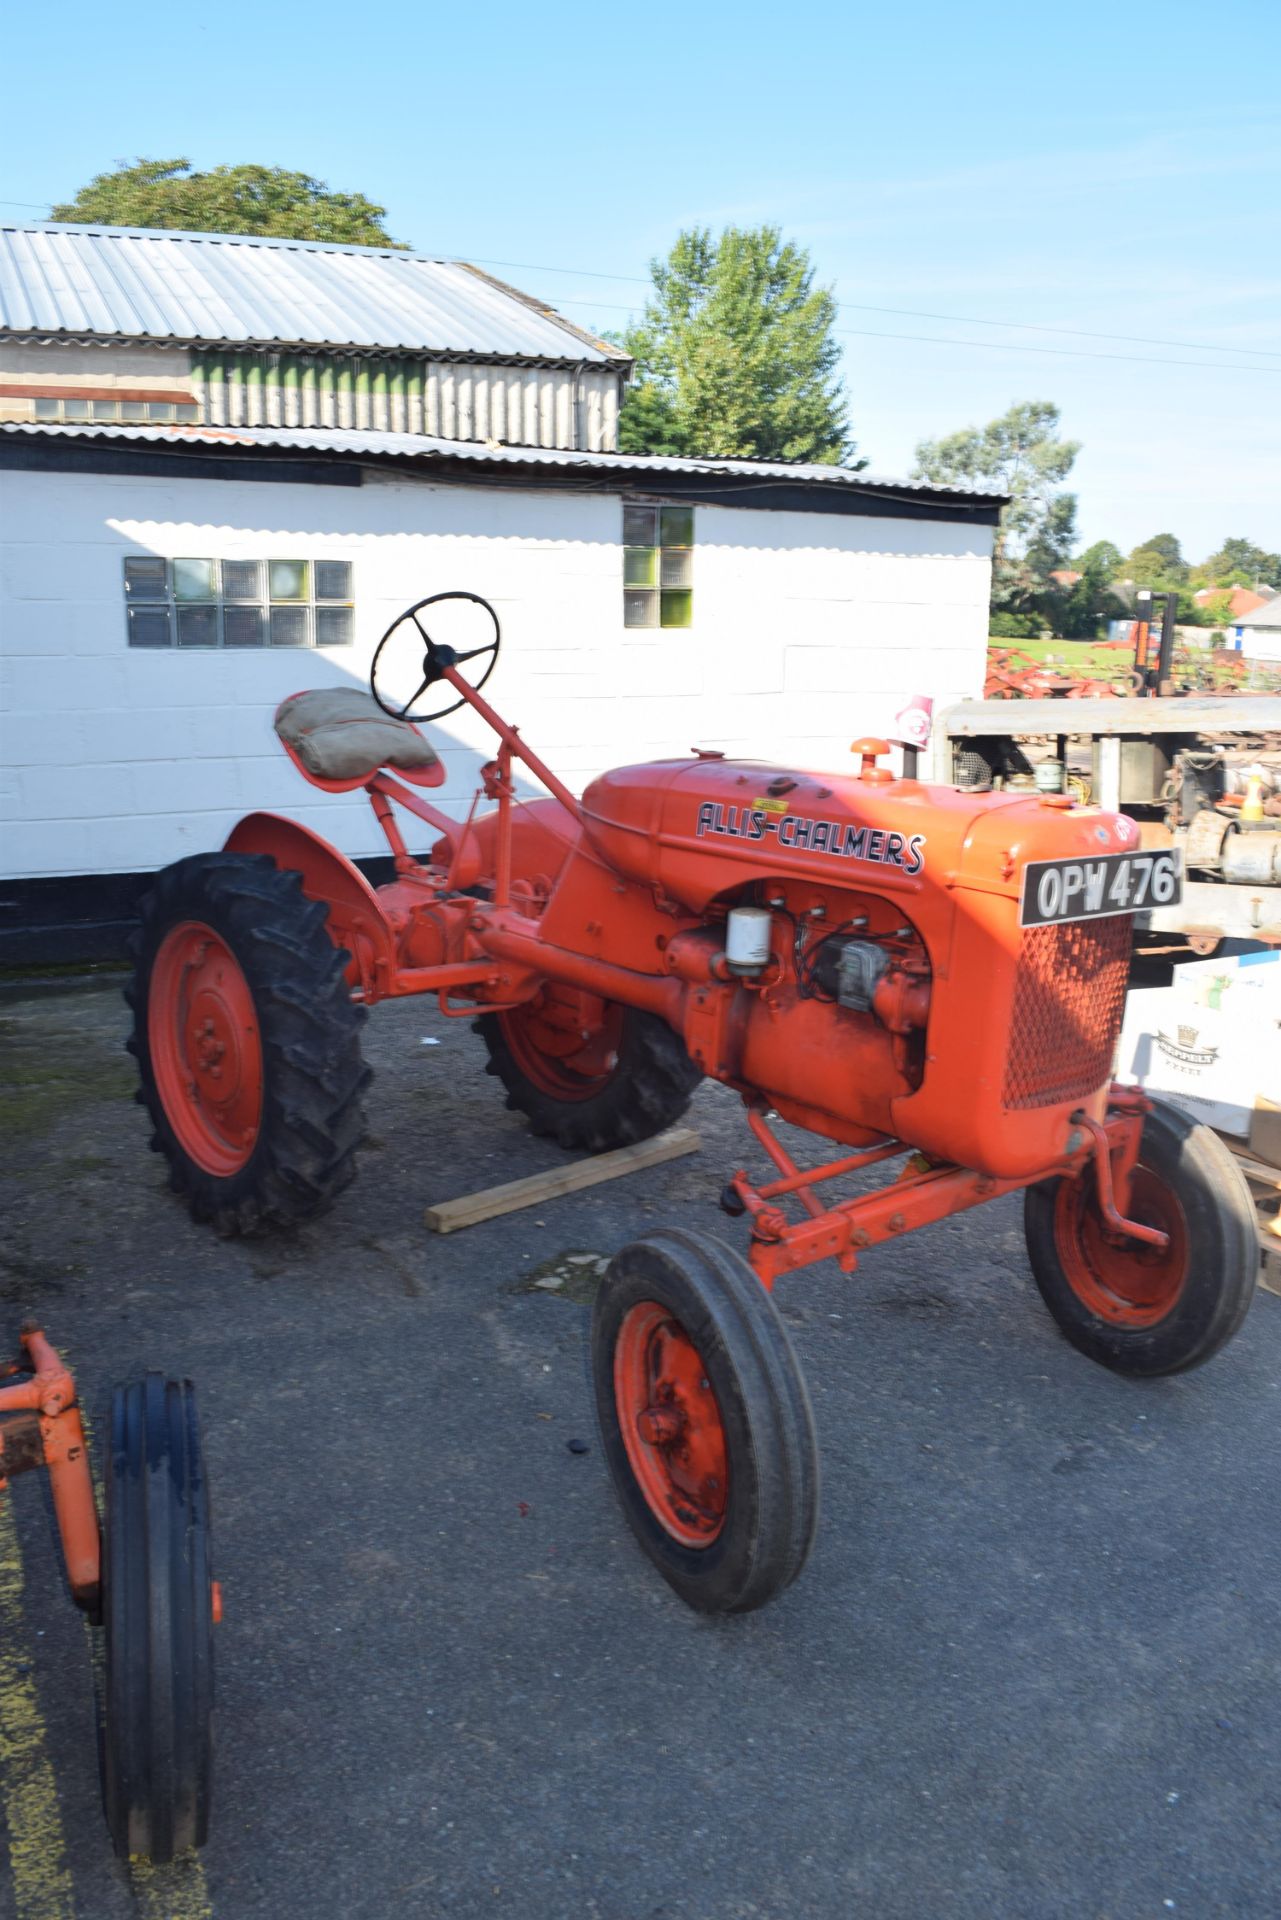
40, 1425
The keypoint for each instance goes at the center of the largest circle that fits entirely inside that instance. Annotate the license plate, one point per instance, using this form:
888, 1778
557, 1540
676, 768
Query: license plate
1058, 890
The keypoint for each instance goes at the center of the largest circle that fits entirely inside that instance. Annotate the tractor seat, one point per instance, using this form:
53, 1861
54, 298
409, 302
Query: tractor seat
342, 735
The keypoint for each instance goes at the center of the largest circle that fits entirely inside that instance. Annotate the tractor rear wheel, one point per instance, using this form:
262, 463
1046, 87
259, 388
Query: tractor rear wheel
1139, 1309
247, 1042
705, 1421
586, 1071
159, 1606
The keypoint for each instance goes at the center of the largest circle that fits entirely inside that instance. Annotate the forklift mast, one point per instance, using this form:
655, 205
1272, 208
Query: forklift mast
1153, 645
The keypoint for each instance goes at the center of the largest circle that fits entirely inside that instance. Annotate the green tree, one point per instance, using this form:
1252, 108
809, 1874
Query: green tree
735, 356
1102, 558
1157, 563
1080, 612
1239, 563
267, 200
1021, 455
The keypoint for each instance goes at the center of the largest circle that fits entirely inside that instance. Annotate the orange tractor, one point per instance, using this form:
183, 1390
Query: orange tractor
914, 973
145, 1575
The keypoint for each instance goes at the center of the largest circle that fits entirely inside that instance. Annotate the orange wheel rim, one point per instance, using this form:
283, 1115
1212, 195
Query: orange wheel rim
671, 1425
206, 1050
1122, 1280
565, 1041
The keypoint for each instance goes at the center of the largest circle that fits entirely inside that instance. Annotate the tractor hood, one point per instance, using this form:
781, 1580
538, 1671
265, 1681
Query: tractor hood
705, 827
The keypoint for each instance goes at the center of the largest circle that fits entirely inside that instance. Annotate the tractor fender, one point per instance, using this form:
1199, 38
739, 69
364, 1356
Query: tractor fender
356, 917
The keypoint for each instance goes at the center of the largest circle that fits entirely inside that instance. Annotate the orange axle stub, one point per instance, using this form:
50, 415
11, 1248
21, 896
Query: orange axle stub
671, 1425
206, 1049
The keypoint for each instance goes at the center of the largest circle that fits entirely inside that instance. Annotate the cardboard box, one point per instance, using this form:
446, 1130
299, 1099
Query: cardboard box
1211, 1041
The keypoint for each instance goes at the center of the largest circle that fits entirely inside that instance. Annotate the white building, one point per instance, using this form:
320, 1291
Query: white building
164, 584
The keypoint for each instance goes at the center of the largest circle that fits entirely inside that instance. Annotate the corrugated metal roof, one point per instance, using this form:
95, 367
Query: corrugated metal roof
131, 283
411, 446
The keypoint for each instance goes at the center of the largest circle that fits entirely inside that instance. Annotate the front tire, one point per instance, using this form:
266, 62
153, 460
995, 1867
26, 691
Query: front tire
588, 1072
158, 1609
1133, 1308
705, 1421
247, 1042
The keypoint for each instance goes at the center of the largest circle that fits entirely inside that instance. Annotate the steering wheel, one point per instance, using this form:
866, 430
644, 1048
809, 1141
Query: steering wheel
436, 657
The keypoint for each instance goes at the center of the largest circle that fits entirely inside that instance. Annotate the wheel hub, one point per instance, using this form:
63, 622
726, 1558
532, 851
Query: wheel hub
671, 1425
1127, 1282
206, 1048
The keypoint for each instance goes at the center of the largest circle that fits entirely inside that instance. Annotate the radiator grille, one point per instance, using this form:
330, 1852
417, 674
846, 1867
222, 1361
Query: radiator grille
1069, 996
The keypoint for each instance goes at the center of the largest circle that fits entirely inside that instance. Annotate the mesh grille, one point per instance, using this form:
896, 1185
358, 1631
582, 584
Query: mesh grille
1069, 996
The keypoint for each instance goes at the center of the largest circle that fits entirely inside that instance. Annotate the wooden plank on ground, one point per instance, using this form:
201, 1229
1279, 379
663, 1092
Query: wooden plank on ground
471, 1208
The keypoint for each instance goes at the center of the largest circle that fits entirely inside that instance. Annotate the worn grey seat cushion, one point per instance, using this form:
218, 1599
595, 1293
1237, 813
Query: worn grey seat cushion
345, 735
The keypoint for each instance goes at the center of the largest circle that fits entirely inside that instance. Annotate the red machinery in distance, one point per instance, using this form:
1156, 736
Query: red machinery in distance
905, 970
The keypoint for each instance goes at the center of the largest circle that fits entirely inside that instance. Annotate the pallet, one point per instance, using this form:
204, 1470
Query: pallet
471, 1208
1264, 1182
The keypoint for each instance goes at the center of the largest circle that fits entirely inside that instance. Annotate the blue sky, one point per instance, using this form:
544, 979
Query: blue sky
1092, 170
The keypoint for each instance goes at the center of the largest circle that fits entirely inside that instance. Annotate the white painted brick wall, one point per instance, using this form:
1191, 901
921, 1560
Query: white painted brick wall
809, 629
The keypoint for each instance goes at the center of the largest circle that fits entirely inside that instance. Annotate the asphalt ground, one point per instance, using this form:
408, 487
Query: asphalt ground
1032, 1669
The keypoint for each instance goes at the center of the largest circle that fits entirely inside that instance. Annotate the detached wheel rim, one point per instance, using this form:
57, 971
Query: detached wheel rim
565, 1041
1120, 1280
206, 1049
671, 1425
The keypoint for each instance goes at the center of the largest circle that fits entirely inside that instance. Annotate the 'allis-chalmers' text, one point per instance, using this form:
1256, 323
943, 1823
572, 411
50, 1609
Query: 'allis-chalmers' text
799, 834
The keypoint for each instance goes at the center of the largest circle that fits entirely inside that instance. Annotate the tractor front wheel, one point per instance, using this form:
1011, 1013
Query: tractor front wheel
247, 1042
159, 1606
590, 1073
1136, 1308
705, 1421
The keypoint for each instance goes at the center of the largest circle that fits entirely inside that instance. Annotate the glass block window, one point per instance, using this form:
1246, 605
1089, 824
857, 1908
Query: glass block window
196, 602
658, 566
115, 412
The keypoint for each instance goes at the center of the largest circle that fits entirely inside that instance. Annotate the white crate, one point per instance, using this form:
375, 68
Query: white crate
1211, 1041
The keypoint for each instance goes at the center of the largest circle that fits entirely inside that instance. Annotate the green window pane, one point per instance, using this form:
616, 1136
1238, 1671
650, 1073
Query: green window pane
105, 409
47, 409
144, 578
188, 414
197, 626
148, 626
133, 409
288, 579
75, 409
640, 607
289, 626
333, 579
677, 607
678, 567
640, 526
160, 409
194, 580
677, 527
243, 627
640, 566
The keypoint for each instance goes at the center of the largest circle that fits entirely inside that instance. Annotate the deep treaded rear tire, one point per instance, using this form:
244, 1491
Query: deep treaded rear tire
648, 1089
313, 1075
158, 1612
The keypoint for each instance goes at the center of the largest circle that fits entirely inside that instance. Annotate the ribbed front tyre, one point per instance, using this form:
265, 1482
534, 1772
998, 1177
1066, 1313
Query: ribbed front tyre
1136, 1308
158, 1610
705, 1421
